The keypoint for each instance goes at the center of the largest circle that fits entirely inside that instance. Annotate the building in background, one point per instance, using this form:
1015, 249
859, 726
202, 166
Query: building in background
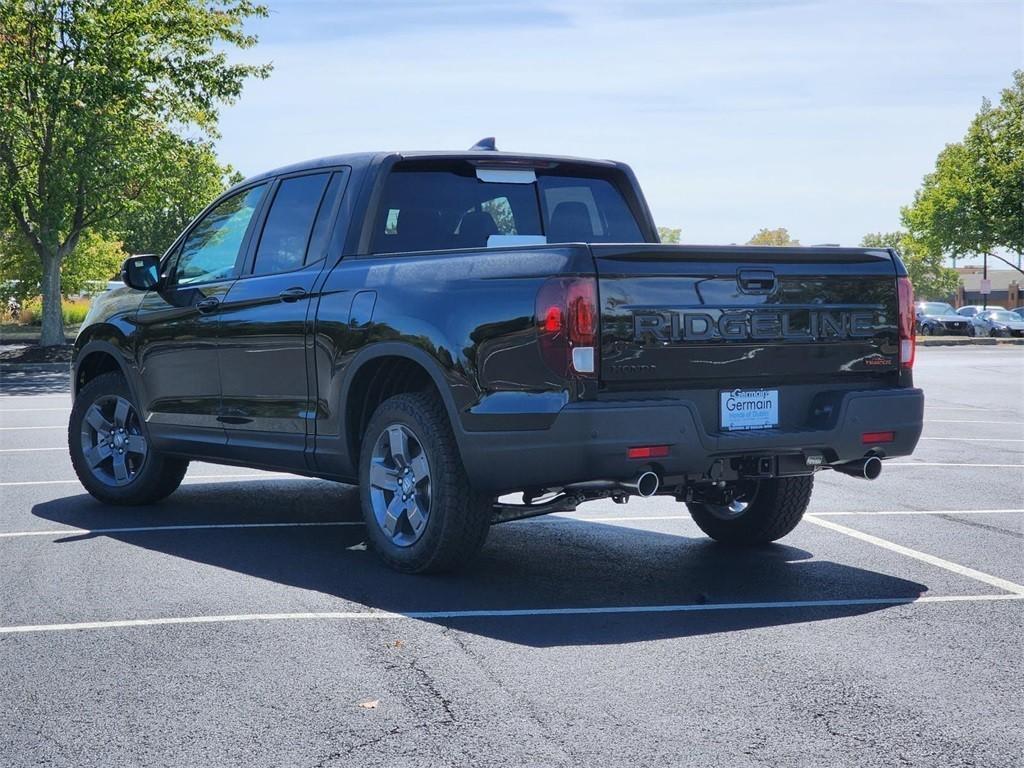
1005, 287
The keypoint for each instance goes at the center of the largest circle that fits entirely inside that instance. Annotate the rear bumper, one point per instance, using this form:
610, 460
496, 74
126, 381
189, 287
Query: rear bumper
589, 440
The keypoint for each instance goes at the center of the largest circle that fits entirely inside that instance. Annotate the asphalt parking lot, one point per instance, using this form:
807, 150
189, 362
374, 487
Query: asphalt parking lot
242, 622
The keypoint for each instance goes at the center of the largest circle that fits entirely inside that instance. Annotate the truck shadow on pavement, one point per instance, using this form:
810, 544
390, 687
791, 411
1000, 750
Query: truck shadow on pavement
545, 563
33, 382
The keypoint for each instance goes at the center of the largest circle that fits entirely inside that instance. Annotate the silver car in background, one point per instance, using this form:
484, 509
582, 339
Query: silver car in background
997, 322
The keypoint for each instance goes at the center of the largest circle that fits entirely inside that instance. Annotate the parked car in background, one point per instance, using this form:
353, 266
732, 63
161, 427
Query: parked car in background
997, 322
938, 317
972, 309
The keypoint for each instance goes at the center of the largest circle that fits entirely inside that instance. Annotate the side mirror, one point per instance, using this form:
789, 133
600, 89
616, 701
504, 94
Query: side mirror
141, 272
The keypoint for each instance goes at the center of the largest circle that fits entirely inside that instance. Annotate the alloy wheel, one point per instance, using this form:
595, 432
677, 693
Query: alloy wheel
112, 442
400, 485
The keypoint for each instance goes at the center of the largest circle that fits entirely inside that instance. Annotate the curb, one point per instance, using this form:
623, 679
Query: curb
965, 341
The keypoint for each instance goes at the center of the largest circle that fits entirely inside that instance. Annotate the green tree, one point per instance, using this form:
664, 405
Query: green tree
973, 202
191, 178
669, 234
778, 236
97, 259
932, 279
89, 90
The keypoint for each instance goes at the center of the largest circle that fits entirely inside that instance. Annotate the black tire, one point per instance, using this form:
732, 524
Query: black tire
154, 477
926, 330
458, 517
775, 509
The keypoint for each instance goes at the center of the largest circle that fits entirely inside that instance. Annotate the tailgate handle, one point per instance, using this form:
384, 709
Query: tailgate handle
756, 281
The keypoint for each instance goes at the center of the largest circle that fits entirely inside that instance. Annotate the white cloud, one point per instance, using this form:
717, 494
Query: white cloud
821, 117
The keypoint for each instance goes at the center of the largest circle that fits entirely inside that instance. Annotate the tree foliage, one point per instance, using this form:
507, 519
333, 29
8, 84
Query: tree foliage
190, 178
90, 90
932, 279
973, 202
669, 234
778, 236
97, 259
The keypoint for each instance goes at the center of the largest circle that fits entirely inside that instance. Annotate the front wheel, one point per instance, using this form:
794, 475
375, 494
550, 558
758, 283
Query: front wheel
764, 511
110, 450
421, 513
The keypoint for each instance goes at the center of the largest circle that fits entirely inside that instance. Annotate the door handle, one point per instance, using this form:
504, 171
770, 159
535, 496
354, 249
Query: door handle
208, 305
293, 294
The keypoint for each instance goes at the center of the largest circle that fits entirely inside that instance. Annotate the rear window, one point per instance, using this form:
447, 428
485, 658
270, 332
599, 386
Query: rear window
449, 208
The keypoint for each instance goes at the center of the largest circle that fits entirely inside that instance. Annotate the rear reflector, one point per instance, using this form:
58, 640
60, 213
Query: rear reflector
648, 452
874, 438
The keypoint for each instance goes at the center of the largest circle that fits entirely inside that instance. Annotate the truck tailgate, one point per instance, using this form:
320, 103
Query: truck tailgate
701, 316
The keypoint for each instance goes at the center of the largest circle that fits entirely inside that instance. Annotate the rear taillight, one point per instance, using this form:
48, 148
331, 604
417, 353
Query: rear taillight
567, 325
906, 321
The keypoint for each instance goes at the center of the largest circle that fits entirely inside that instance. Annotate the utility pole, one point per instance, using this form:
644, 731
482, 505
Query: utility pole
984, 279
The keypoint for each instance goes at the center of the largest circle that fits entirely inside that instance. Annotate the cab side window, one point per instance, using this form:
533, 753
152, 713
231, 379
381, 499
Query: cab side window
289, 224
210, 252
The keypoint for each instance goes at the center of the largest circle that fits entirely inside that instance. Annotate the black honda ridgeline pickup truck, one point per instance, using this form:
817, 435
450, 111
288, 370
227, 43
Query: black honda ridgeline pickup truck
444, 328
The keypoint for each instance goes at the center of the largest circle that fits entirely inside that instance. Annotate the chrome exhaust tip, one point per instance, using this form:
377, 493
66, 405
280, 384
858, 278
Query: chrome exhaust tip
646, 484
868, 468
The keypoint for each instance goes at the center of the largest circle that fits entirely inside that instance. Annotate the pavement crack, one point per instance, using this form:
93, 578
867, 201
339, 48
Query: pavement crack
524, 705
430, 685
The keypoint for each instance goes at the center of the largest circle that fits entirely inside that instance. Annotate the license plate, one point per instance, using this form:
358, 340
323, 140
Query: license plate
750, 408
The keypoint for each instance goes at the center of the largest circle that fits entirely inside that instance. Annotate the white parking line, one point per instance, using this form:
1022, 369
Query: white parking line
924, 512
47, 426
26, 450
931, 407
65, 396
969, 421
32, 410
516, 613
248, 476
549, 518
161, 528
978, 439
950, 464
961, 570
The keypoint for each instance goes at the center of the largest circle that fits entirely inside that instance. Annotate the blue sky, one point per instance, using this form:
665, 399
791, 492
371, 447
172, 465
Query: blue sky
820, 117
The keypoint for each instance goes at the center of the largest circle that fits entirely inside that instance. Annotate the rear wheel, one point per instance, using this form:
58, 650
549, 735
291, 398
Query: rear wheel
109, 448
421, 513
763, 511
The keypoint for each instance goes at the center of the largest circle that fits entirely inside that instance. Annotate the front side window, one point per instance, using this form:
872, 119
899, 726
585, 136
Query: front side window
210, 251
289, 224
447, 207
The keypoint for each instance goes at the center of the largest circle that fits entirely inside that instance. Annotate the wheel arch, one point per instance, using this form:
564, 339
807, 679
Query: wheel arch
98, 356
382, 371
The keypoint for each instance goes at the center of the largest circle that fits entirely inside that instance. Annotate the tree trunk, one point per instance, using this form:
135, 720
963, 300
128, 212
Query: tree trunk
53, 315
